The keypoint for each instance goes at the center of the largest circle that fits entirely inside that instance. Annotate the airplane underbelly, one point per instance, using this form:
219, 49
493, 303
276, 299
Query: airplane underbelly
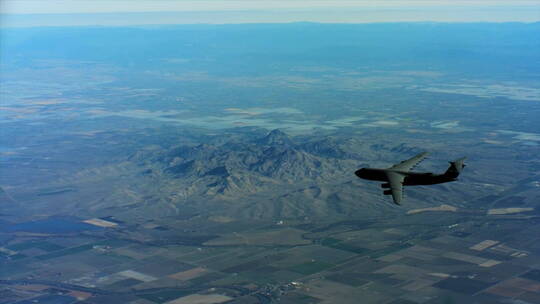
380, 176
417, 180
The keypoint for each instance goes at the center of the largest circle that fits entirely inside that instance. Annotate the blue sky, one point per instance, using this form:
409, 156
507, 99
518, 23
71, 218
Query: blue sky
122, 12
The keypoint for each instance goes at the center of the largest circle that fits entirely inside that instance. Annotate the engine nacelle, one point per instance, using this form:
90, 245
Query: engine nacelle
387, 192
385, 186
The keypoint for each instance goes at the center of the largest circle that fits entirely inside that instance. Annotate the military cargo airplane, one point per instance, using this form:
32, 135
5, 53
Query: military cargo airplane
399, 175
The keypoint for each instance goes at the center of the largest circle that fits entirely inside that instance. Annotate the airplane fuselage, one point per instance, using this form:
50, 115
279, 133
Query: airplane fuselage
411, 178
399, 175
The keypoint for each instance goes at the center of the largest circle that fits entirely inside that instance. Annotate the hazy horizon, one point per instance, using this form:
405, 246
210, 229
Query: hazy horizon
119, 13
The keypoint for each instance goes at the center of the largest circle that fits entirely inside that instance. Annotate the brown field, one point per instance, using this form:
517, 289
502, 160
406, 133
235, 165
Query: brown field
189, 274
201, 299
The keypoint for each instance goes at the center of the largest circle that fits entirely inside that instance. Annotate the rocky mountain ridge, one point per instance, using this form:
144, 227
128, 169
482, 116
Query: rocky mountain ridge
268, 176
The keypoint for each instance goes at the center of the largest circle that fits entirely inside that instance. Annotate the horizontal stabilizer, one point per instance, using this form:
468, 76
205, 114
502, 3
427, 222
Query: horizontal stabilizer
455, 168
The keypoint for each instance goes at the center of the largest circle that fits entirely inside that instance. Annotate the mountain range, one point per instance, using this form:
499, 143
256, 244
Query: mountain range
272, 176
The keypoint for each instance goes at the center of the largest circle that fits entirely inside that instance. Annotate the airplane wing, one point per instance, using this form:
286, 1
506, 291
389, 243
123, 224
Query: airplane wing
410, 163
396, 185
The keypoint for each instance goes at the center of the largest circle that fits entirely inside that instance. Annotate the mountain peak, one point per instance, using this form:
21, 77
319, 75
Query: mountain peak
275, 137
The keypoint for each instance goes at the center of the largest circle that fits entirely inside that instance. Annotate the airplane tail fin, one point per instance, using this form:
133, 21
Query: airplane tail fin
455, 168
